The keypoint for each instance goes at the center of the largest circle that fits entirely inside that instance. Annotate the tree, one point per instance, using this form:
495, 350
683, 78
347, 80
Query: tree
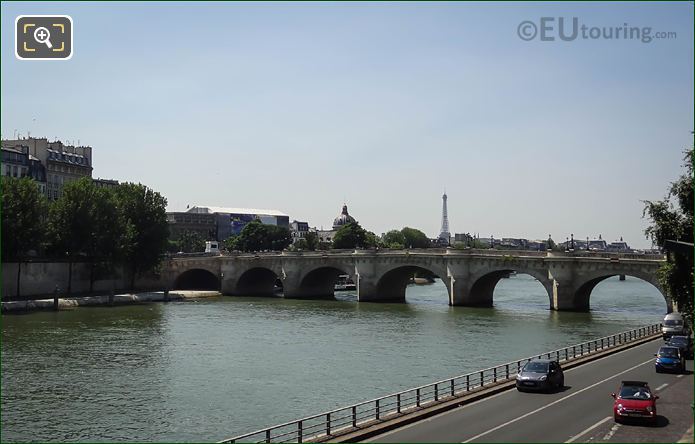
312, 240
675, 222
371, 240
230, 244
394, 239
301, 244
279, 237
191, 242
256, 236
84, 222
415, 238
142, 213
23, 215
350, 235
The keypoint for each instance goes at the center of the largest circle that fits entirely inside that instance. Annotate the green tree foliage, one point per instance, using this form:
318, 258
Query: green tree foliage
371, 240
672, 219
23, 216
83, 222
350, 235
142, 213
415, 238
256, 236
230, 244
312, 240
190, 242
394, 239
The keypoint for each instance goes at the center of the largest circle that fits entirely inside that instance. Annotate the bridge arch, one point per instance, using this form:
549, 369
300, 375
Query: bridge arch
256, 281
582, 294
391, 285
319, 282
197, 279
483, 284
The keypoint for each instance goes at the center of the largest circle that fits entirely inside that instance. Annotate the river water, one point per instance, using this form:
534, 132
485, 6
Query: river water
214, 368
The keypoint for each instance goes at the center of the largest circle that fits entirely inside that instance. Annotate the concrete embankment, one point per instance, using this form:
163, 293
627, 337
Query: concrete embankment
118, 299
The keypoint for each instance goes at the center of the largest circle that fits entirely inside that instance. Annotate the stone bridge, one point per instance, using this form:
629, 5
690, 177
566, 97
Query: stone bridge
470, 276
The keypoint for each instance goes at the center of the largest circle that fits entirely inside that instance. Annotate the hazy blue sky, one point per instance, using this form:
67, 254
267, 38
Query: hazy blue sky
301, 107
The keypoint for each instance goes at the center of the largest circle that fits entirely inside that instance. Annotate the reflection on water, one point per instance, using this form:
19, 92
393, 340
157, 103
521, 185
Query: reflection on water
205, 370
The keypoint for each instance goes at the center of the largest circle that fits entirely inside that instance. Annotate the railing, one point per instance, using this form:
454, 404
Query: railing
430, 251
353, 417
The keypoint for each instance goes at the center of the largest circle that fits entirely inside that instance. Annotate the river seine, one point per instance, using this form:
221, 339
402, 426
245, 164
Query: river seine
211, 369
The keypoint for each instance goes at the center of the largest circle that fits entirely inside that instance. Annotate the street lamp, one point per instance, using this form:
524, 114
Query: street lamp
567, 244
572, 242
587, 243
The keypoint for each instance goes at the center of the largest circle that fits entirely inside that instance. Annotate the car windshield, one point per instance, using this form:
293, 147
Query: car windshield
633, 392
536, 367
672, 322
678, 341
668, 352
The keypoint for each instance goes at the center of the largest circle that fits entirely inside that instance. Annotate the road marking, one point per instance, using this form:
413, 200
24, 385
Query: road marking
555, 402
585, 431
506, 392
661, 386
679, 376
612, 431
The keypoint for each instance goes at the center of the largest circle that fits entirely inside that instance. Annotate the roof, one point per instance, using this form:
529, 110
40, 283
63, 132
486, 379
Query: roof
210, 209
636, 383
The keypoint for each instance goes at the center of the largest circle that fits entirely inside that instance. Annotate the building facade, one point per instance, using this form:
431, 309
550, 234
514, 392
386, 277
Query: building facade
298, 230
62, 163
227, 221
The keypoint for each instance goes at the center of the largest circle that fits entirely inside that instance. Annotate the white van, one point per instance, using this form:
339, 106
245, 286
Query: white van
212, 247
674, 325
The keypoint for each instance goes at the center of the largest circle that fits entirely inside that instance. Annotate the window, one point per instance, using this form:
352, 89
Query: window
8, 170
14, 171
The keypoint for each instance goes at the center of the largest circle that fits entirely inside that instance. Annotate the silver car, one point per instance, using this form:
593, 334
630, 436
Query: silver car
540, 374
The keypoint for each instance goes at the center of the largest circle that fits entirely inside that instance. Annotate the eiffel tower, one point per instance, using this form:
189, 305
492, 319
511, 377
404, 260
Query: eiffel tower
444, 234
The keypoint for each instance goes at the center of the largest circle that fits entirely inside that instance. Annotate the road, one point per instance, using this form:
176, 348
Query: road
581, 412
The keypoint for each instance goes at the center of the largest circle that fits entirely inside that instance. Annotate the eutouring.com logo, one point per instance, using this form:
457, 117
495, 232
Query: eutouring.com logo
550, 29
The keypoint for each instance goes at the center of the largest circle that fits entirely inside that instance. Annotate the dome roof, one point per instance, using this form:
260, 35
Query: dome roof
343, 219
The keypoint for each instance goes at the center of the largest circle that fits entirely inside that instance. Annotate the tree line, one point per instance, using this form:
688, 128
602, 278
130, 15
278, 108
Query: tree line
125, 225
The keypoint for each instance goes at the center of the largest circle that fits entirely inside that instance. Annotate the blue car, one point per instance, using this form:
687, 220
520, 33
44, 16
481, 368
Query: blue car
669, 359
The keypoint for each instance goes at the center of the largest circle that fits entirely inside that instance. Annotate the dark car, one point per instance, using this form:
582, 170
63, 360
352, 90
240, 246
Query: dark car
540, 374
669, 359
634, 401
684, 343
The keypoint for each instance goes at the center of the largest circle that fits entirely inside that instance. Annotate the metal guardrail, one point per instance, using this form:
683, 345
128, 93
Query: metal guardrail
324, 426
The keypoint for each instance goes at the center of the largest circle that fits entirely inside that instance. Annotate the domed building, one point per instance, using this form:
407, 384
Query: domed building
343, 219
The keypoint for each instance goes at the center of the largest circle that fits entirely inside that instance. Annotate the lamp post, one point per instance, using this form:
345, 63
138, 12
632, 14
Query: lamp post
587, 243
492, 241
572, 242
567, 244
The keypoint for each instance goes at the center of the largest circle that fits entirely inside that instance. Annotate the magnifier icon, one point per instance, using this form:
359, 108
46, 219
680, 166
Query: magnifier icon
42, 35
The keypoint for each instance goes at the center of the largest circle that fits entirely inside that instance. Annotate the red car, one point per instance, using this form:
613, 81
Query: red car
634, 401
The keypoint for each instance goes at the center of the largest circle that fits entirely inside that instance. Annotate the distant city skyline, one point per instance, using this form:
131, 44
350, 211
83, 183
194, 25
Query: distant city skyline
304, 107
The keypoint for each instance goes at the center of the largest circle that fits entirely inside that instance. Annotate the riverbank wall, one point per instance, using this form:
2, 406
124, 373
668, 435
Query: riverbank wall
41, 277
104, 300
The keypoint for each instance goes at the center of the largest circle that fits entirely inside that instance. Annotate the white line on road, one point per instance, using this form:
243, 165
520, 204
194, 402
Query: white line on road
680, 376
611, 432
479, 401
585, 431
661, 386
555, 402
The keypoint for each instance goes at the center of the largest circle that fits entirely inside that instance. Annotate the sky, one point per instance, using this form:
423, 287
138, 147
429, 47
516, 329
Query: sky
302, 107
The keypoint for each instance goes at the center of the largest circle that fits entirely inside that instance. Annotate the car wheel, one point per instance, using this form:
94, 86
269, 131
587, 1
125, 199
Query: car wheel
561, 383
616, 418
658, 370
